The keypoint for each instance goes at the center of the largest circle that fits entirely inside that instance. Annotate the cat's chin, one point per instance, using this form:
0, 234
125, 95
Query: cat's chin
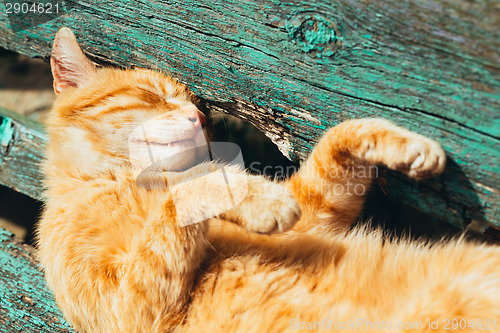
176, 156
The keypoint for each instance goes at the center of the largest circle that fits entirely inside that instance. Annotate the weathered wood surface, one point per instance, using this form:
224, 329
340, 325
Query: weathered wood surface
26, 305
295, 68
22, 144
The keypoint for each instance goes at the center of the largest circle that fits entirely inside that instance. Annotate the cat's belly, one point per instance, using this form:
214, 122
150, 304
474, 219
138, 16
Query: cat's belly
259, 283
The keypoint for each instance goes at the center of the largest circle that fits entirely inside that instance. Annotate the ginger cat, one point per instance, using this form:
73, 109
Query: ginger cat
283, 259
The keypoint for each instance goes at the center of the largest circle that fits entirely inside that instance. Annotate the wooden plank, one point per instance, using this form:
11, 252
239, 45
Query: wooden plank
26, 305
295, 68
22, 144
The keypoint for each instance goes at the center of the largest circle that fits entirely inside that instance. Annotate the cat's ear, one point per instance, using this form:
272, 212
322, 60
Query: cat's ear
70, 67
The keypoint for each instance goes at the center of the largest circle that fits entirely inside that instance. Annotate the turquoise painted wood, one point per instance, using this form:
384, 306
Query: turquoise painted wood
295, 68
26, 305
22, 144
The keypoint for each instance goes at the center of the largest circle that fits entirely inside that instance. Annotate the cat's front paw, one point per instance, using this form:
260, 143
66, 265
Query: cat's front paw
272, 209
420, 157
382, 142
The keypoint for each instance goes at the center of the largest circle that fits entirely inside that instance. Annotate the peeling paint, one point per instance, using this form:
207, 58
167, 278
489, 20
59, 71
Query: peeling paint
308, 117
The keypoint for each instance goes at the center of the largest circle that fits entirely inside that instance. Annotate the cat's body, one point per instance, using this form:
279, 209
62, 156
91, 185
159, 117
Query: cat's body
118, 260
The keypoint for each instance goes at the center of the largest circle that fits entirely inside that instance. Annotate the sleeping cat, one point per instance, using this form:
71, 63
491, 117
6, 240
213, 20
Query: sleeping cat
282, 259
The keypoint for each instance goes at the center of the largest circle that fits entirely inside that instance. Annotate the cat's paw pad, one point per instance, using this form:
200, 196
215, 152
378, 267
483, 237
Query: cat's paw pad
277, 212
420, 158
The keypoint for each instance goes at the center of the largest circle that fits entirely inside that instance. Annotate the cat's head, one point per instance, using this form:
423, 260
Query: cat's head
104, 117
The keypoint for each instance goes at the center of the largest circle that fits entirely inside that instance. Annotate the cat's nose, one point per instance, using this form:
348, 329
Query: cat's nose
196, 117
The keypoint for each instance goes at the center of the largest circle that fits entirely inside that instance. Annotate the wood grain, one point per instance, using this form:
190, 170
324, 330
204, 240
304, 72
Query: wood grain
296, 68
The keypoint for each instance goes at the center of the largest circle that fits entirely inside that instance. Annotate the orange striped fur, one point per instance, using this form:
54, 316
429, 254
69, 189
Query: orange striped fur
117, 260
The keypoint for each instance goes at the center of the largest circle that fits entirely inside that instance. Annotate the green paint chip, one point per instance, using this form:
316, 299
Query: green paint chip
6, 131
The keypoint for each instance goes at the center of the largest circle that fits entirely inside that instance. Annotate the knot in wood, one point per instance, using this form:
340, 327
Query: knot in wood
315, 34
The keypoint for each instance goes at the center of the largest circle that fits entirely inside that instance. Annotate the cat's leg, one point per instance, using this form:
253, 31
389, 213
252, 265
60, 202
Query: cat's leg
153, 291
252, 202
160, 267
331, 185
